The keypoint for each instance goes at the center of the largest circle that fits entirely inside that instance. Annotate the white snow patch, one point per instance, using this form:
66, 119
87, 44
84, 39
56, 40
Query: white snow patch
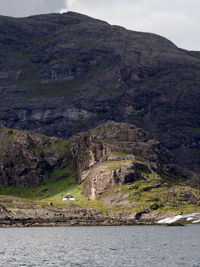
188, 217
170, 219
198, 221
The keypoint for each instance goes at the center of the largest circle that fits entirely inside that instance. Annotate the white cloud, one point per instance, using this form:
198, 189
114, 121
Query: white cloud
21, 8
178, 20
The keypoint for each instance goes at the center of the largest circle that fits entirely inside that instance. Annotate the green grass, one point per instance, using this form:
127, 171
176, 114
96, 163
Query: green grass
60, 172
60, 147
30, 80
139, 157
10, 138
111, 91
142, 195
37, 150
120, 154
113, 165
52, 191
107, 141
193, 130
49, 189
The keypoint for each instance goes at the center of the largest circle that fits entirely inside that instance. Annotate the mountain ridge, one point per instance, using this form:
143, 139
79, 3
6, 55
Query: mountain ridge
116, 172
65, 73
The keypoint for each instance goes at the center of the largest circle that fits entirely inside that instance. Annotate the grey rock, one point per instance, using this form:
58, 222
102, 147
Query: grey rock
65, 73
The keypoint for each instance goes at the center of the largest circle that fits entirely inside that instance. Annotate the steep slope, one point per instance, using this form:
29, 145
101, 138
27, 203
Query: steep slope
28, 159
116, 154
61, 74
115, 169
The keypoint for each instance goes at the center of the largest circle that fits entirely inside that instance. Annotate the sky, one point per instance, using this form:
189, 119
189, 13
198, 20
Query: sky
177, 20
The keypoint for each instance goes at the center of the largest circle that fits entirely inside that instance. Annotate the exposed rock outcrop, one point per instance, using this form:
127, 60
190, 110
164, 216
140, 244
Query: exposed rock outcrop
109, 155
116, 154
131, 177
65, 73
27, 159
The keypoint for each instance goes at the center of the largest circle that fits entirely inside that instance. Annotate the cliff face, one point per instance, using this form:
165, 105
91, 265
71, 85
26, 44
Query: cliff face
115, 154
61, 74
109, 155
27, 159
128, 174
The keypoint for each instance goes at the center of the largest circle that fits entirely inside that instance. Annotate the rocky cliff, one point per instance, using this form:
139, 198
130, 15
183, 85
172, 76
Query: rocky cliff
115, 168
65, 73
112, 151
116, 154
27, 159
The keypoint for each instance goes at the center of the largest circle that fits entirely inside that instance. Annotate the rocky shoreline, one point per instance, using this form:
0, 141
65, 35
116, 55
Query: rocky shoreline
77, 216
51, 216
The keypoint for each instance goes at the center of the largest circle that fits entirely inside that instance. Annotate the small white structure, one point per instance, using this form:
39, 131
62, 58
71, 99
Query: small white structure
69, 197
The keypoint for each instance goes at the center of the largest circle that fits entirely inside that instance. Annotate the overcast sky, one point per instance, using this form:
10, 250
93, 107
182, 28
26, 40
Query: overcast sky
178, 20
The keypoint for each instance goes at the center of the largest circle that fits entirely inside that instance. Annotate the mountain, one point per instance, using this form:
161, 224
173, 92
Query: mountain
65, 73
115, 169
28, 159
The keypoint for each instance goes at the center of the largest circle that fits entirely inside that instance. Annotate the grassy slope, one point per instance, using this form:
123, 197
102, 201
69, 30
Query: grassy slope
172, 196
147, 194
51, 191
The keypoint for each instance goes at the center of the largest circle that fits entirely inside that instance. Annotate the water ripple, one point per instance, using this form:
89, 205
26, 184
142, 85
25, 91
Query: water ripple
101, 246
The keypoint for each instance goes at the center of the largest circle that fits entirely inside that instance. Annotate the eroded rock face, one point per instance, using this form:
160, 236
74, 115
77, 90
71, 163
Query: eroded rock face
65, 73
27, 159
115, 154
109, 155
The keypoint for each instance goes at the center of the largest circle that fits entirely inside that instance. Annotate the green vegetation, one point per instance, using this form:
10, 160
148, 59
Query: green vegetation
50, 188
113, 165
37, 150
111, 91
107, 141
148, 194
152, 195
194, 152
10, 137
51, 191
64, 172
120, 154
60, 147
80, 124
29, 80
139, 157
194, 130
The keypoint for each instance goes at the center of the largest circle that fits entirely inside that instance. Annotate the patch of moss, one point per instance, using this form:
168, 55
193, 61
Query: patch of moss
139, 157
61, 172
113, 165
193, 130
80, 124
194, 152
50, 188
10, 137
111, 91
60, 147
107, 141
120, 154
152, 195
37, 150
30, 80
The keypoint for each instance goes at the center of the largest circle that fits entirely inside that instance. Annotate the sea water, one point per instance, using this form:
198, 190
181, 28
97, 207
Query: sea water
101, 246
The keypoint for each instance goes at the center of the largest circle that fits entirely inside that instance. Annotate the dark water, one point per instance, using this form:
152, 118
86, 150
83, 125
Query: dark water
101, 246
